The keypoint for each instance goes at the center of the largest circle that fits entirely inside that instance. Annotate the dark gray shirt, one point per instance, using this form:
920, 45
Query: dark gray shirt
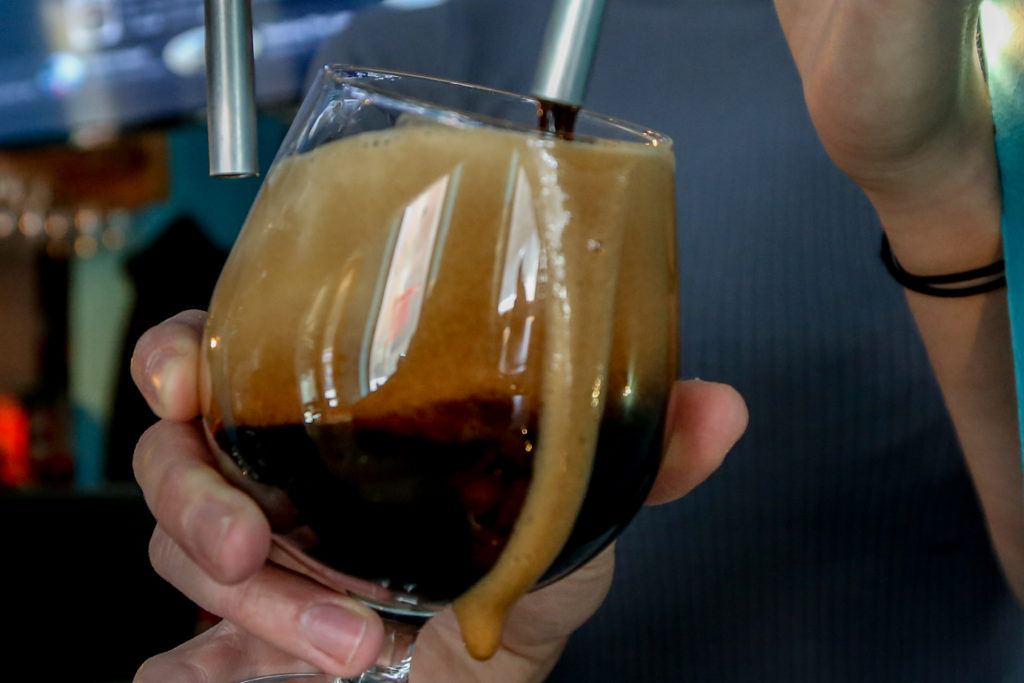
842, 539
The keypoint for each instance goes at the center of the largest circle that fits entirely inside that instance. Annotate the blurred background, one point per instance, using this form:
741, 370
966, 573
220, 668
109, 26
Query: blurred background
106, 227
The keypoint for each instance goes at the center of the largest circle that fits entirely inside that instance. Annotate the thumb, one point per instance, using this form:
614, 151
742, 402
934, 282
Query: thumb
704, 421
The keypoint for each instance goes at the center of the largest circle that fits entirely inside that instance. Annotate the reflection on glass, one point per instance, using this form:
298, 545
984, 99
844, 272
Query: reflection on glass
407, 278
519, 278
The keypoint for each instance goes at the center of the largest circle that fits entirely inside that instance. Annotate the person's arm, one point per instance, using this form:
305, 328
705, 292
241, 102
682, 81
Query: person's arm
212, 543
897, 95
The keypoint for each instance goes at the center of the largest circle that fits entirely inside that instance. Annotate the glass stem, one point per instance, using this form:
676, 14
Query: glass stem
395, 658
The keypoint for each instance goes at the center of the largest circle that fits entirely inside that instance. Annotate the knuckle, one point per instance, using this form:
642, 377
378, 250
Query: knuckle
161, 549
171, 495
143, 456
174, 487
232, 642
143, 675
165, 668
243, 603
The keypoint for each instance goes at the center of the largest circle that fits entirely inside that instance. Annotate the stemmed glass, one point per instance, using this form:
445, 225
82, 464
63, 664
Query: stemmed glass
441, 348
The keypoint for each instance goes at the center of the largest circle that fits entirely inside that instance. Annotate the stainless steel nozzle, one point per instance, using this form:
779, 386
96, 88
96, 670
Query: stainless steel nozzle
568, 51
230, 88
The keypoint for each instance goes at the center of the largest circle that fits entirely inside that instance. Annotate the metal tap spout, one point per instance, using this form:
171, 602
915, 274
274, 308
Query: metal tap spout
230, 88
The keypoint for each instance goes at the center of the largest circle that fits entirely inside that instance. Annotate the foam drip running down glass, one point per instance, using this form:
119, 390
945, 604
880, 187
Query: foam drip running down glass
441, 349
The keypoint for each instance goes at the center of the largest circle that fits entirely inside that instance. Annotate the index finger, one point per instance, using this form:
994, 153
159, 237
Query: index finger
165, 365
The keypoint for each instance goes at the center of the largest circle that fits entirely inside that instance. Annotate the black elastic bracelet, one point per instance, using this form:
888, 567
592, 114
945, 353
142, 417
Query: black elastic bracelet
926, 284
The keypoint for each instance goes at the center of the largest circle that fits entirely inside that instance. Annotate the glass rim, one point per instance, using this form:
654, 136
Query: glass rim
356, 78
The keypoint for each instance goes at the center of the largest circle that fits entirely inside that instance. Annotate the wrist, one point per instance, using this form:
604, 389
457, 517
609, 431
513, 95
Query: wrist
942, 213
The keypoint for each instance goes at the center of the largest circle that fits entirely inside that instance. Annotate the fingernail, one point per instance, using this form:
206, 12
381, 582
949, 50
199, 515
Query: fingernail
210, 524
159, 368
334, 630
154, 373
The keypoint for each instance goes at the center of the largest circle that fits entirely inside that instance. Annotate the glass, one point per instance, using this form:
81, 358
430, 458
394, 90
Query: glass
441, 349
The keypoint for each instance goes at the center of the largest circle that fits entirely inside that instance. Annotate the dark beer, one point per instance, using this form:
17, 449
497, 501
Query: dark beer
557, 118
450, 504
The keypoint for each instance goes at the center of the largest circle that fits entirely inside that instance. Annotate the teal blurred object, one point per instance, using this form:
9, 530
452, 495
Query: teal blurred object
219, 206
1002, 27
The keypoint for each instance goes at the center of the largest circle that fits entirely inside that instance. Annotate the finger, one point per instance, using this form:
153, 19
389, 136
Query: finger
705, 420
165, 365
537, 628
310, 622
219, 654
220, 527
558, 609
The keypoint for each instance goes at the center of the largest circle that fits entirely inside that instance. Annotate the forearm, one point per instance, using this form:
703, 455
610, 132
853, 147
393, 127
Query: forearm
896, 93
954, 229
969, 346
